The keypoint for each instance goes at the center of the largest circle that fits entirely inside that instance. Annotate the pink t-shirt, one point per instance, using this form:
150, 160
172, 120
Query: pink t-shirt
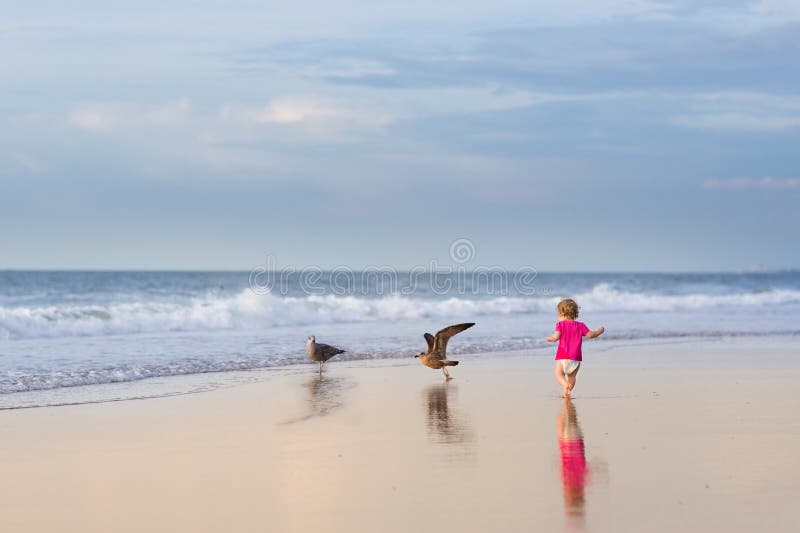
569, 345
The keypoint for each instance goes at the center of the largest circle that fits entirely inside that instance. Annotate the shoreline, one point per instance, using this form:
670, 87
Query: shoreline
200, 382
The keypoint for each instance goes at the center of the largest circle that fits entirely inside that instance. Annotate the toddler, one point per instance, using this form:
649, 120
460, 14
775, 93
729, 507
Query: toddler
569, 334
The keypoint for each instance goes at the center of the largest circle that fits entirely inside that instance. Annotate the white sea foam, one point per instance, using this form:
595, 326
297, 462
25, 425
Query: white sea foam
127, 372
248, 310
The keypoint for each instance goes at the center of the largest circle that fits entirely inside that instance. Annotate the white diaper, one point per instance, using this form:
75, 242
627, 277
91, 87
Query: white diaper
570, 366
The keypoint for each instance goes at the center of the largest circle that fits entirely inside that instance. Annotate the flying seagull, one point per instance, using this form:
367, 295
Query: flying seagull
436, 356
320, 352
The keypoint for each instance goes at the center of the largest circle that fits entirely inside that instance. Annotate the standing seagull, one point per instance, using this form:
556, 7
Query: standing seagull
320, 352
436, 357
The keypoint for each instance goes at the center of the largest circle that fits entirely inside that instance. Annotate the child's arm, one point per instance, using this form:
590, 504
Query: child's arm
595, 333
554, 337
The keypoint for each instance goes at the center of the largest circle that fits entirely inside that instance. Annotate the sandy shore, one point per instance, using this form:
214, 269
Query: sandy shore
659, 437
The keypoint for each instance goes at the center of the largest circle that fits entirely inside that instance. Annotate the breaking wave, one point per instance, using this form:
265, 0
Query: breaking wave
248, 310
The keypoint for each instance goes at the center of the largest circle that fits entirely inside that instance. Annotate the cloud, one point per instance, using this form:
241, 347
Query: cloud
21, 163
30, 163
768, 183
776, 10
315, 117
609, 54
290, 110
741, 112
738, 122
91, 116
108, 116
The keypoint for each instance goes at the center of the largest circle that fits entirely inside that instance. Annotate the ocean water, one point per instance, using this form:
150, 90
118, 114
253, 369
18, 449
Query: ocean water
69, 337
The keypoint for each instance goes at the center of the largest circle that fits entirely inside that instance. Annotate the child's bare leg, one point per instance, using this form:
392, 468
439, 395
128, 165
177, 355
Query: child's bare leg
572, 378
562, 380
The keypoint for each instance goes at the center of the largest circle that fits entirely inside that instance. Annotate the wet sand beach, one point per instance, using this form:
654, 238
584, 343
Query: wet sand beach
678, 436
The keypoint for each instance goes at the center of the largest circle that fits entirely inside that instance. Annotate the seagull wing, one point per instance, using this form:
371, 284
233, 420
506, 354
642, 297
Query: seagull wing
327, 351
429, 339
440, 341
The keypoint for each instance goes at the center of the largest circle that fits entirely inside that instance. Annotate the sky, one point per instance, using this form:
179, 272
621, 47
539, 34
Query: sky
573, 135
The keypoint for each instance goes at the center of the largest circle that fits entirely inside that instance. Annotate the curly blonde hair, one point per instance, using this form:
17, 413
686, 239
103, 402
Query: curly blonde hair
568, 308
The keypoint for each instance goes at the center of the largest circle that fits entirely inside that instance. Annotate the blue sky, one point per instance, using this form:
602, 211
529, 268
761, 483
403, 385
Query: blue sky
578, 135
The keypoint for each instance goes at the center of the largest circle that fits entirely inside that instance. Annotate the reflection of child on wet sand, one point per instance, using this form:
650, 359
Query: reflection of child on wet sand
569, 334
574, 469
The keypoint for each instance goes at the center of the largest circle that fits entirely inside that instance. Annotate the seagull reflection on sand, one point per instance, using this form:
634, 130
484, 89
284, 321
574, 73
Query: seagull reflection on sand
445, 425
324, 396
574, 468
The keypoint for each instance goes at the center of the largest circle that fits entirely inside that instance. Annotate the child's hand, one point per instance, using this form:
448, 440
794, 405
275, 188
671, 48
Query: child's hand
595, 333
